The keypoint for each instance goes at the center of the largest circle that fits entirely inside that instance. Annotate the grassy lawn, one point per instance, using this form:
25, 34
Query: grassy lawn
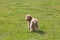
14, 27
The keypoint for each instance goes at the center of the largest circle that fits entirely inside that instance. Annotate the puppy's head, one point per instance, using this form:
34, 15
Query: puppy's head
28, 17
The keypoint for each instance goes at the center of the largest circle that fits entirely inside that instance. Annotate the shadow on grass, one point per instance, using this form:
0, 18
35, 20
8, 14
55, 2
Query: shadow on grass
41, 32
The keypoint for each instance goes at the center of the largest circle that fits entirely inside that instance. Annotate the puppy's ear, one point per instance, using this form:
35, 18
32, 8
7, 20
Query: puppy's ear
30, 17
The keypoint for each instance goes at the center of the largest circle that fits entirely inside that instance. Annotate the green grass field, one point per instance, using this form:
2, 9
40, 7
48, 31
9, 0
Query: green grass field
13, 25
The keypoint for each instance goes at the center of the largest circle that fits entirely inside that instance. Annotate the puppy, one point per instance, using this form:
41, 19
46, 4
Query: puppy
32, 23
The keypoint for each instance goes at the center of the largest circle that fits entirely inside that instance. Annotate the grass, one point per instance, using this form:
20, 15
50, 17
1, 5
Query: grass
14, 27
